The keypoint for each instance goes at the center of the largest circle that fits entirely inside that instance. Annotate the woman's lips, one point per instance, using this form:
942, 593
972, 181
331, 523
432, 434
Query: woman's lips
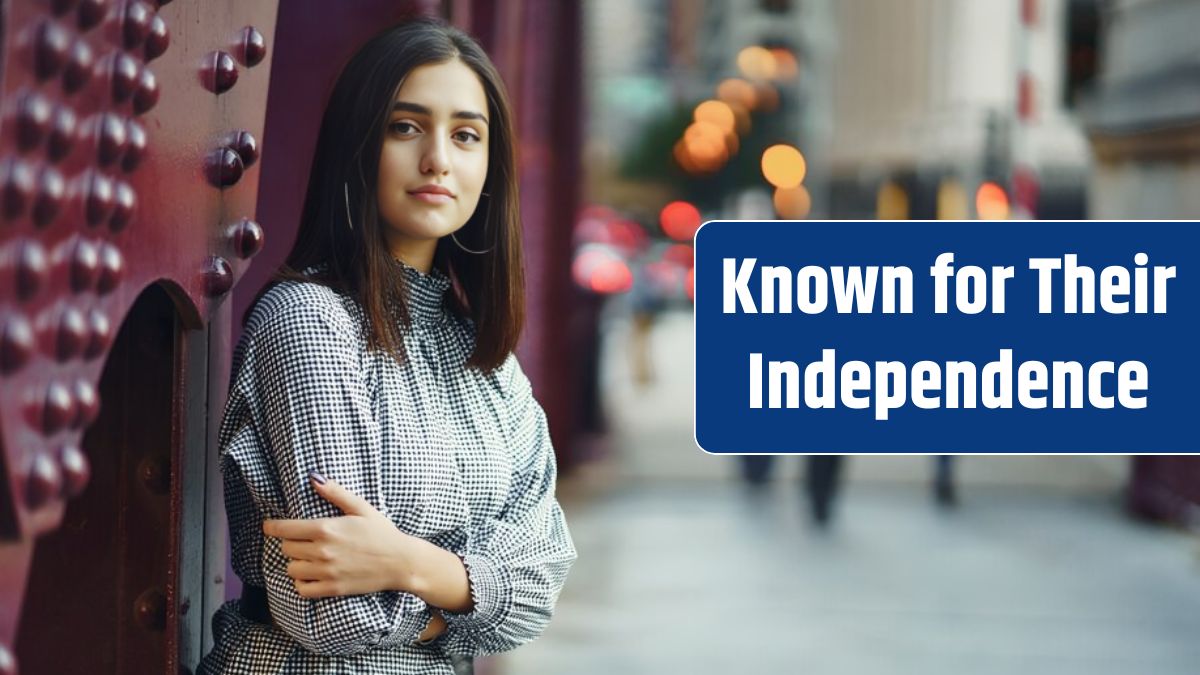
432, 197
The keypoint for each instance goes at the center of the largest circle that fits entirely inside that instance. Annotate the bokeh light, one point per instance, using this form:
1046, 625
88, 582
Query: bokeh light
717, 113
991, 202
735, 91
741, 117
786, 65
783, 166
756, 63
679, 220
952, 201
792, 202
601, 270
891, 203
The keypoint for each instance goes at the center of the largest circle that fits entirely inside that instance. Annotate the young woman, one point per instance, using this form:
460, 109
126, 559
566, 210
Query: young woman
389, 479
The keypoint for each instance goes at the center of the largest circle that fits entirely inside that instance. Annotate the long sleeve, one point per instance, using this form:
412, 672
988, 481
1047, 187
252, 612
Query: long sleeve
304, 368
516, 562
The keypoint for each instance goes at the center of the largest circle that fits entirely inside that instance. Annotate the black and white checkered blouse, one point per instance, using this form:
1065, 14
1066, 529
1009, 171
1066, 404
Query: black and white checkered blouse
454, 456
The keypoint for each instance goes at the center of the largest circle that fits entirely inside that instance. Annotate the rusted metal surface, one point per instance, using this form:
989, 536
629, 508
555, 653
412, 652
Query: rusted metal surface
112, 114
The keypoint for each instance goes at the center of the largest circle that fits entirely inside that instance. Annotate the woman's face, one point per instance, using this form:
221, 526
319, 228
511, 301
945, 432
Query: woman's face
434, 159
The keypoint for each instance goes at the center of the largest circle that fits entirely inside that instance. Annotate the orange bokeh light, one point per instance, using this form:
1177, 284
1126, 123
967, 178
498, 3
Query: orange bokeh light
705, 148
679, 220
786, 65
991, 202
738, 91
783, 166
757, 63
792, 202
717, 113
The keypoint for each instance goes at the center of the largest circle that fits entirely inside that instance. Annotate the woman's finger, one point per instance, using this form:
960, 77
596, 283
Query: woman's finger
303, 550
316, 589
303, 570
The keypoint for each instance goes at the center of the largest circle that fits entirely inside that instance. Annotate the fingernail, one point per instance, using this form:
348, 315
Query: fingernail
316, 476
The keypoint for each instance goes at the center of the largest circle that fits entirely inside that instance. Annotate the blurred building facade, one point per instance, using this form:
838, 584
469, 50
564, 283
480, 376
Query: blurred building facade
935, 97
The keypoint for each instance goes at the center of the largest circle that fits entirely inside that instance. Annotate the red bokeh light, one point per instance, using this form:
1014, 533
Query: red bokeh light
601, 270
680, 220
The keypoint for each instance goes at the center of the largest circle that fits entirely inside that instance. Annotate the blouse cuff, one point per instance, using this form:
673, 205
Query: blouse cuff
410, 627
491, 592
430, 614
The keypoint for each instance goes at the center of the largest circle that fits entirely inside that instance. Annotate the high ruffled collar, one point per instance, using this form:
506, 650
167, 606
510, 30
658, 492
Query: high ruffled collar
426, 293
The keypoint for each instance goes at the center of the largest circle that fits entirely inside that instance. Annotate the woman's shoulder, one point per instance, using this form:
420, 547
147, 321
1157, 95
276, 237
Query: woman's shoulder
292, 304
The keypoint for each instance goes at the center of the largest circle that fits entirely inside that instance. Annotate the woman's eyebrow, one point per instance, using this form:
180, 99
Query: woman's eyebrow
422, 110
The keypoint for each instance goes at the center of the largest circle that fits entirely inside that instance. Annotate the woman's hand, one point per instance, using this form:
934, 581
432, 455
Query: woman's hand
358, 553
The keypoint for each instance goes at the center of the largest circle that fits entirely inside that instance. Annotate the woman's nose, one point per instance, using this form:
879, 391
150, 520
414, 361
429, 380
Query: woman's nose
435, 159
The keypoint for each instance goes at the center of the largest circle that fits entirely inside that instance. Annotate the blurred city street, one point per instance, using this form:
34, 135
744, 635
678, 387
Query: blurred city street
683, 569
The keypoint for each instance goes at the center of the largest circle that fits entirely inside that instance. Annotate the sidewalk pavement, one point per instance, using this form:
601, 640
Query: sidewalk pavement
682, 569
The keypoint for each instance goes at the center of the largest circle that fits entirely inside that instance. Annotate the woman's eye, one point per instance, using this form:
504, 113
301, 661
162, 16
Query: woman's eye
466, 136
402, 127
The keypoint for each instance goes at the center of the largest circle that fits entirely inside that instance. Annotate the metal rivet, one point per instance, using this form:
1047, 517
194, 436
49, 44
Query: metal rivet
150, 610
245, 145
44, 481
98, 197
223, 167
91, 12
99, 333
70, 336
135, 147
124, 76
254, 47
58, 409
78, 71
136, 23
112, 268
218, 276
145, 96
125, 203
246, 238
85, 265
33, 120
32, 269
62, 133
76, 471
158, 39
221, 74
16, 343
51, 189
50, 49
110, 138
87, 403
18, 187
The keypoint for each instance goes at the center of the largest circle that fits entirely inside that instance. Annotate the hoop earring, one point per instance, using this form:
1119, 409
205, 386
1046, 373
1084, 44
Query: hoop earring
485, 218
349, 220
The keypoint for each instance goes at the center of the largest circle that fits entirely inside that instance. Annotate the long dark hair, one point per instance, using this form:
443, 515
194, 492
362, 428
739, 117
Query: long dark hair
488, 288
